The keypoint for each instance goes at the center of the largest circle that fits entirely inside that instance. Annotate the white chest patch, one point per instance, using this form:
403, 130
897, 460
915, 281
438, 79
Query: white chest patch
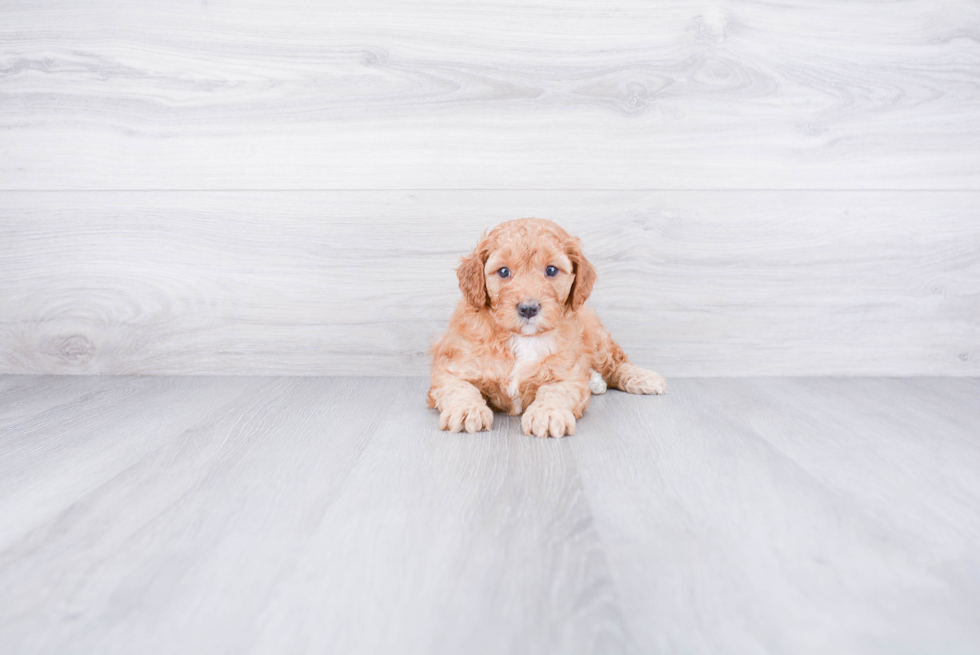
528, 351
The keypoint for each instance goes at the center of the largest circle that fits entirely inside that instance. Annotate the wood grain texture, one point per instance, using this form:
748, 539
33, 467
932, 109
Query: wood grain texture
823, 498
235, 515
509, 94
360, 283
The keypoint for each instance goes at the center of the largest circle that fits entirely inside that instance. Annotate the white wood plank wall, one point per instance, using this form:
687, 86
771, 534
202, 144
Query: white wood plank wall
264, 187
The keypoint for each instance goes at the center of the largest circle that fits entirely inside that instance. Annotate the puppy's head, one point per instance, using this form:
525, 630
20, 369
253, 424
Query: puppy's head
527, 273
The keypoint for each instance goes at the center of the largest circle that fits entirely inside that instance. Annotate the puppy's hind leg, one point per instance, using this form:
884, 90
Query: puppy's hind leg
633, 379
619, 373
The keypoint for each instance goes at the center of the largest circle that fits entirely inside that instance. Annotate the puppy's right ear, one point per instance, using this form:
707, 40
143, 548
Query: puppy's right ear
471, 279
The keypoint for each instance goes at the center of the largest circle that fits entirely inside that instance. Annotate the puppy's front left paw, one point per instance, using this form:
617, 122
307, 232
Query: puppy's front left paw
547, 421
640, 380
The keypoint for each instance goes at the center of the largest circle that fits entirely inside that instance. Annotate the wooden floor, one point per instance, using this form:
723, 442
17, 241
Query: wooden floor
329, 515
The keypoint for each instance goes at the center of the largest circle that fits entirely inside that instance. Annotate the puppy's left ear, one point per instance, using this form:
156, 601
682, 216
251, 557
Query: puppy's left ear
584, 271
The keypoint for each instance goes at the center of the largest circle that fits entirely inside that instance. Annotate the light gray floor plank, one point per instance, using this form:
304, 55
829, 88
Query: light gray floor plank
832, 526
23, 397
209, 515
86, 442
197, 514
480, 544
352, 283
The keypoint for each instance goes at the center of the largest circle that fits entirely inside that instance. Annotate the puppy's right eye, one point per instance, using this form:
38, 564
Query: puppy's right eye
504, 272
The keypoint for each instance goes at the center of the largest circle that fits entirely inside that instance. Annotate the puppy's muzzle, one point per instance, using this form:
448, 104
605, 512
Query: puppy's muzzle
528, 310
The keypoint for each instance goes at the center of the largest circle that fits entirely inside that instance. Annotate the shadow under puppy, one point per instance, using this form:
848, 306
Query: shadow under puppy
522, 339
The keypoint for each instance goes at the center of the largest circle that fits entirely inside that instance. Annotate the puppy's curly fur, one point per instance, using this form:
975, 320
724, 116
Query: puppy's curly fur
522, 338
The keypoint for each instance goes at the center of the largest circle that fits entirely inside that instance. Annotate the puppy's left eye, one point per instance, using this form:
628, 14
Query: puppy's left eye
551, 271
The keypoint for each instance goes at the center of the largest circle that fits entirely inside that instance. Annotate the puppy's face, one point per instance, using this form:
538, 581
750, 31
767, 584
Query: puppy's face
528, 285
527, 273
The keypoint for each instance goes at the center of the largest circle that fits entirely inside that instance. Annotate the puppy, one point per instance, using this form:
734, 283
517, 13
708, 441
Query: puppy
522, 340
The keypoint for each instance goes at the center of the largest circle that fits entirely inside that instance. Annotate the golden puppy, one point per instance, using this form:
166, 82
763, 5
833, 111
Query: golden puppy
522, 339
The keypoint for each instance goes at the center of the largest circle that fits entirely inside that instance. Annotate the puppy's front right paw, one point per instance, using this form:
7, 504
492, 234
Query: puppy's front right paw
473, 417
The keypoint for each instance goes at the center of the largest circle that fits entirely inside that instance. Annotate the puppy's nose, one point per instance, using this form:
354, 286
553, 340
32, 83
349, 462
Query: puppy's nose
528, 309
